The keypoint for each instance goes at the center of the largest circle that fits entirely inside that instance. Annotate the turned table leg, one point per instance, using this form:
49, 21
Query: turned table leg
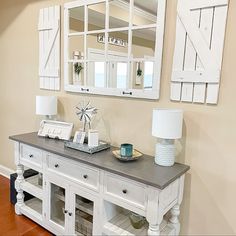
174, 219
154, 230
20, 195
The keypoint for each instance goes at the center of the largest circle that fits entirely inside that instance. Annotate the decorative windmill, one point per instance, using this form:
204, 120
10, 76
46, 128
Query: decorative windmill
85, 112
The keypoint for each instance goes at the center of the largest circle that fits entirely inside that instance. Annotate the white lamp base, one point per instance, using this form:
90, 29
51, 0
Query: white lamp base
165, 153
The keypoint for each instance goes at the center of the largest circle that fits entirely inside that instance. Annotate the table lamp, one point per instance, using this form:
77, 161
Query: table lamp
166, 125
46, 105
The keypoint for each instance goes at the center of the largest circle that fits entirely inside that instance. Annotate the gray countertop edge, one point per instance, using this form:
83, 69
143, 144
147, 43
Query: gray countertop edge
129, 176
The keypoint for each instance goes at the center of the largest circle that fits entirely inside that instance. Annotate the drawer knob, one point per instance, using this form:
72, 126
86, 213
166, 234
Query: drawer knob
85, 176
65, 211
31, 155
70, 214
56, 165
124, 191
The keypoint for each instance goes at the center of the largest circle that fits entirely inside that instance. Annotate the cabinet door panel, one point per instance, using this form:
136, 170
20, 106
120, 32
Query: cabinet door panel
57, 204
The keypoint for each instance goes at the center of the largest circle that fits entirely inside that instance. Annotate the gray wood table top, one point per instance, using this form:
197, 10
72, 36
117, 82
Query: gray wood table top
143, 170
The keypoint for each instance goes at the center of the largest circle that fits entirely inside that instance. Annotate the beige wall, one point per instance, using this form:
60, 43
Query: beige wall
208, 145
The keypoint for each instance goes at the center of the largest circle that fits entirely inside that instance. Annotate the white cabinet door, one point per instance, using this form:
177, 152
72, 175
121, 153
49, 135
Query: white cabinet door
83, 212
57, 204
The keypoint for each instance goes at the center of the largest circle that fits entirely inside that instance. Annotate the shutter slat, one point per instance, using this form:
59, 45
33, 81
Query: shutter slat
49, 48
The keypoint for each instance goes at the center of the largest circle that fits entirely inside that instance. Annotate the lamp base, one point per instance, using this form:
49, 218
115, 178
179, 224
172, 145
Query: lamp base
165, 153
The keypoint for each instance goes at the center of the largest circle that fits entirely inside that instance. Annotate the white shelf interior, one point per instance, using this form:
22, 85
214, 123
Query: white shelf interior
121, 225
32, 186
118, 223
34, 205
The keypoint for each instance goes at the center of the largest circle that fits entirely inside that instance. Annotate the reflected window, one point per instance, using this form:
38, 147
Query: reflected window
99, 74
121, 75
148, 75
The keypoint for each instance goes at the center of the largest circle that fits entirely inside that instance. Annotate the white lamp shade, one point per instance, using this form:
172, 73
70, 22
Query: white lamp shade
46, 105
167, 123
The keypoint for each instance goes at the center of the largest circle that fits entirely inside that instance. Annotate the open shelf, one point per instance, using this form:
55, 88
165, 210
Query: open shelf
118, 223
31, 185
83, 206
33, 209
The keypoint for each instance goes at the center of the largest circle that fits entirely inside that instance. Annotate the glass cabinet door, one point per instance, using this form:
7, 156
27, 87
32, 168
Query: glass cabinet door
82, 207
58, 207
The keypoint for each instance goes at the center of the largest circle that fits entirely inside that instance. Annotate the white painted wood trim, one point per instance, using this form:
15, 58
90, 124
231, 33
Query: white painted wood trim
135, 93
49, 48
5, 171
200, 33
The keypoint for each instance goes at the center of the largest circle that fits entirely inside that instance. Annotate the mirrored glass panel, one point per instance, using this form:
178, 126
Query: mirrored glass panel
76, 73
118, 43
118, 14
143, 43
96, 74
96, 47
144, 12
96, 16
76, 47
118, 74
76, 20
143, 75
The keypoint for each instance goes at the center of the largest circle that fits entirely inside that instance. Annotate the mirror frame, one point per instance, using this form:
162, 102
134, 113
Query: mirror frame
131, 93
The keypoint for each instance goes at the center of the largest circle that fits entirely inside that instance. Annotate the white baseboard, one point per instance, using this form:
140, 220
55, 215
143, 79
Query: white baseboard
4, 171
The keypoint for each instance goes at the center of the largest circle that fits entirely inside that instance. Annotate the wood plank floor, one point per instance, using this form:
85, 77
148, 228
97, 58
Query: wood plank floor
10, 223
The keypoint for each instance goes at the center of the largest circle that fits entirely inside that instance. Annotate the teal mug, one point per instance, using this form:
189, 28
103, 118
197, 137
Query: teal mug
126, 150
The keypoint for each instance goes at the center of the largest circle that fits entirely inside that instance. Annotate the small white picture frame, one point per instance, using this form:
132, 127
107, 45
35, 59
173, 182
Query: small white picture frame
79, 137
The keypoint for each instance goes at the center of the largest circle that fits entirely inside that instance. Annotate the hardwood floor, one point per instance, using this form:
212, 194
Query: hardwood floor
10, 223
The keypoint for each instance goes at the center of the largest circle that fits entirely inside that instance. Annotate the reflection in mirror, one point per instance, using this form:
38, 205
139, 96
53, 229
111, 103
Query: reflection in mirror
76, 73
76, 47
143, 73
96, 74
96, 16
95, 47
148, 75
118, 42
118, 74
143, 43
118, 14
76, 19
145, 14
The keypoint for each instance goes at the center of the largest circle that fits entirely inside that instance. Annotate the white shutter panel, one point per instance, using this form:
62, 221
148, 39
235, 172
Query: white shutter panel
200, 33
49, 48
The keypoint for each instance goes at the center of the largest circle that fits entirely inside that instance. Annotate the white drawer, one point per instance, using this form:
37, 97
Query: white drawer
126, 190
33, 157
83, 174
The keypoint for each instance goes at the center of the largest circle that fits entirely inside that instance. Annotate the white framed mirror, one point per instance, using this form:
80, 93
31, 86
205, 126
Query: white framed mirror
114, 47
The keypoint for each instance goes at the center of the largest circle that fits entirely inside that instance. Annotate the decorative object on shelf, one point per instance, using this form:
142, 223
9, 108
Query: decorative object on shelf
93, 138
137, 220
46, 105
85, 148
79, 137
136, 155
112, 40
167, 125
126, 150
55, 129
85, 113
77, 68
139, 74
49, 48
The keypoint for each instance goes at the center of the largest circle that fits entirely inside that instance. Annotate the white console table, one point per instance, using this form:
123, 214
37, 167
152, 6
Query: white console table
80, 194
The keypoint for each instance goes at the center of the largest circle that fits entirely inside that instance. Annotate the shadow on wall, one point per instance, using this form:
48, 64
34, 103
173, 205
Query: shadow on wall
9, 10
